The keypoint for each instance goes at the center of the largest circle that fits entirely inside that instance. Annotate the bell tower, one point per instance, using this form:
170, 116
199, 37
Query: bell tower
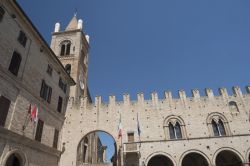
71, 46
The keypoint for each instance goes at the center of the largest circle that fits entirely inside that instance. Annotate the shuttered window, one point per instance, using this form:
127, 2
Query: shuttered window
2, 12
15, 63
4, 109
56, 135
22, 38
45, 92
59, 105
39, 130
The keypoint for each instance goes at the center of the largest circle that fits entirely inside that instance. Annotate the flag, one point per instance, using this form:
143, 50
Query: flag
34, 114
138, 126
120, 128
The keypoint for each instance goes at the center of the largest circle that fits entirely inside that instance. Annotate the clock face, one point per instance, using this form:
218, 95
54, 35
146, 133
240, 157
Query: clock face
81, 82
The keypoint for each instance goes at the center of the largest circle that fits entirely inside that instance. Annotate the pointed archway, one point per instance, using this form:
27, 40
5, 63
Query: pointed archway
14, 160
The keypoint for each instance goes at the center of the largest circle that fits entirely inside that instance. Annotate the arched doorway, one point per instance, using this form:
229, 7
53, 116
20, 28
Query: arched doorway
228, 158
194, 159
14, 160
160, 160
97, 147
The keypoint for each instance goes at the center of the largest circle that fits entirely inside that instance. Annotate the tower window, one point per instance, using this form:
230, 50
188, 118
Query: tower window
15, 63
68, 68
59, 105
2, 12
4, 109
22, 38
65, 48
49, 70
218, 128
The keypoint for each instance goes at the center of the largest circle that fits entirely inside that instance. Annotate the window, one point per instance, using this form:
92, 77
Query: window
68, 68
45, 92
218, 125
39, 130
175, 131
218, 128
55, 141
15, 63
4, 109
174, 127
49, 70
62, 85
2, 12
233, 106
22, 38
65, 48
131, 137
59, 105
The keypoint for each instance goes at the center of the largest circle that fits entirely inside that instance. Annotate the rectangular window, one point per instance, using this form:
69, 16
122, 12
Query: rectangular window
131, 137
59, 105
55, 141
62, 85
22, 38
15, 63
45, 92
49, 70
39, 130
2, 12
4, 109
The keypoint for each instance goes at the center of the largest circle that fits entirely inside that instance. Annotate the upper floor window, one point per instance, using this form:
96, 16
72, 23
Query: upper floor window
233, 106
174, 128
4, 109
2, 12
15, 63
218, 125
65, 48
22, 38
46, 92
49, 70
62, 85
218, 128
59, 105
131, 137
68, 68
55, 141
175, 131
39, 130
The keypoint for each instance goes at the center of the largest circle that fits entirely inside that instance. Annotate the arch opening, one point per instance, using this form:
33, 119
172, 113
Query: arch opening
97, 147
194, 159
228, 158
14, 160
160, 160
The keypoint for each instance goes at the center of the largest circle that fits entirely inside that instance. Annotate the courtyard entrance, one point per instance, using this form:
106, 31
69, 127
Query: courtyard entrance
228, 158
194, 159
160, 160
13, 160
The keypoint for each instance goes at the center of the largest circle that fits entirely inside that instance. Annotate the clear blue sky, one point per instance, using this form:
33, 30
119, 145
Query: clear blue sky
147, 45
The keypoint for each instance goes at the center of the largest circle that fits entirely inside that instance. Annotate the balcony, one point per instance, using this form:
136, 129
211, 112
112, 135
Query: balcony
131, 147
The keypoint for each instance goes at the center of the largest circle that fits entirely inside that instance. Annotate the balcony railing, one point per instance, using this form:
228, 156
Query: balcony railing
131, 147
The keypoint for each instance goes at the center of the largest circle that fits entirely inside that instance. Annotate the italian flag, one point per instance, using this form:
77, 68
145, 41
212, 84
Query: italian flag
34, 114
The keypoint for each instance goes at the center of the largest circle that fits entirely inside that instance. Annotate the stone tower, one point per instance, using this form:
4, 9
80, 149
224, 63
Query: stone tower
71, 47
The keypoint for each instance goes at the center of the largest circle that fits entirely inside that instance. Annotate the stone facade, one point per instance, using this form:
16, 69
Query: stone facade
23, 88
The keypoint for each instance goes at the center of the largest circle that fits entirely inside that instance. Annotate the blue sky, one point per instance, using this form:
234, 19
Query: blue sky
147, 45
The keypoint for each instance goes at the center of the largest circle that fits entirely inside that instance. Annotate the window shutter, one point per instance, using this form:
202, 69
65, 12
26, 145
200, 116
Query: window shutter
59, 106
42, 88
4, 109
49, 94
39, 130
15, 63
55, 141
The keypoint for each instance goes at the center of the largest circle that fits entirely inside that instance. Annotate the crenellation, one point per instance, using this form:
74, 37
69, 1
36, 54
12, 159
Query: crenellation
154, 97
140, 98
195, 94
209, 93
223, 92
248, 89
168, 97
112, 100
98, 101
126, 99
237, 91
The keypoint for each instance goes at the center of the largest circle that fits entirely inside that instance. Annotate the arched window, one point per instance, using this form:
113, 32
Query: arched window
174, 128
68, 68
65, 47
175, 131
218, 125
233, 106
15, 63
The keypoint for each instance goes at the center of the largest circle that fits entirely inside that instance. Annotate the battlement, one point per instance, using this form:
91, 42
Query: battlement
168, 98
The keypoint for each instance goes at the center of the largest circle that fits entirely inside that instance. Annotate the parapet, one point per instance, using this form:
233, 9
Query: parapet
168, 98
